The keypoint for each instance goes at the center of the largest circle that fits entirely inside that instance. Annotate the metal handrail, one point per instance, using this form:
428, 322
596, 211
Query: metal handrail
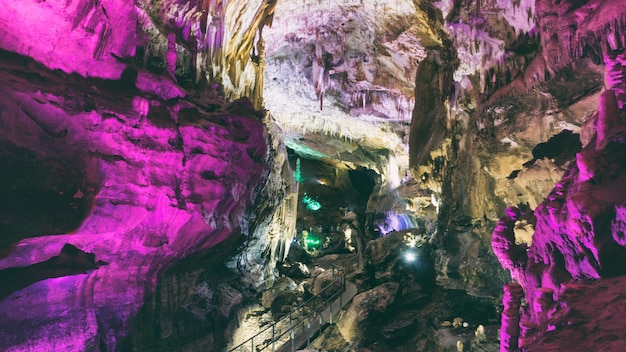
341, 280
302, 319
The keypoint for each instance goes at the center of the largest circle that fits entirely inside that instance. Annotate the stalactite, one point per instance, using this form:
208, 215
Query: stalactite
259, 60
319, 69
221, 37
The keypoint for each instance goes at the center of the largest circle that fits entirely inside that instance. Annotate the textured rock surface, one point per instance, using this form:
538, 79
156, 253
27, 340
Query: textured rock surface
125, 197
74, 36
578, 235
373, 302
150, 183
583, 321
579, 228
189, 40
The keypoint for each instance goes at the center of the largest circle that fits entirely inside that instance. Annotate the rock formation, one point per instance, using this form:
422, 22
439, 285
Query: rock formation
579, 229
578, 235
146, 196
118, 184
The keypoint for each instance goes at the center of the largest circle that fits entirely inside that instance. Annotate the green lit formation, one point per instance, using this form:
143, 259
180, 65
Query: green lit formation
310, 242
298, 173
311, 203
303, 150
313, 242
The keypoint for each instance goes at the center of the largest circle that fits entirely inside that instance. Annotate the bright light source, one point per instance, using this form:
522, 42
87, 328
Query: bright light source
409, 256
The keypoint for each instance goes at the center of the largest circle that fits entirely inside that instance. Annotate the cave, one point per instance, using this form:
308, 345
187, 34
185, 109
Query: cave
312, 175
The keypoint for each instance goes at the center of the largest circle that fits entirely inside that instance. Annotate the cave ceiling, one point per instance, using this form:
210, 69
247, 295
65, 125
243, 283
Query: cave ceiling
340, 77
342, 80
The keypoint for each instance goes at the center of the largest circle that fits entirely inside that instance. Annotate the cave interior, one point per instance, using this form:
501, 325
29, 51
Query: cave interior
184, 175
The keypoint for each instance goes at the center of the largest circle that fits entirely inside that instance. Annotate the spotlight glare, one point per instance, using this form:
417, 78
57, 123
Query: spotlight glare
409, 256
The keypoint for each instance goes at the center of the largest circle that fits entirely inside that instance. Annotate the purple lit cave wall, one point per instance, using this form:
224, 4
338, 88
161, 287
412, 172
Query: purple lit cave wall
178, 175
131, 181
112, 174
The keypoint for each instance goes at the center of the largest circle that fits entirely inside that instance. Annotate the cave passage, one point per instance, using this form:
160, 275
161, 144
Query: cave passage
40, 195
331, 201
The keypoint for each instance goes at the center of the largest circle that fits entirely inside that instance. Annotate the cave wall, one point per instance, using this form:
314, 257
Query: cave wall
123, 193
125, 169
514, 114
577, 238
486, 105
153, 183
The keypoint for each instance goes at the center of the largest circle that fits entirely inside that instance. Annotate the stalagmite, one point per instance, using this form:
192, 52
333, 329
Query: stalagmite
608, 114
510, 329
259, 80
480, 334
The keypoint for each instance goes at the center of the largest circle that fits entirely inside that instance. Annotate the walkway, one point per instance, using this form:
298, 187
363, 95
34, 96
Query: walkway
309, 328
303, 323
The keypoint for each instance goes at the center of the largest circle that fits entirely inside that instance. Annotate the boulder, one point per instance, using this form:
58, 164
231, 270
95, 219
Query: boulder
364, 307
282, 286
296, 271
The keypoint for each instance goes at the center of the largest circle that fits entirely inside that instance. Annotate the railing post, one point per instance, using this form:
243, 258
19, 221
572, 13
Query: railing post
331, 312
252, 344
341, 299
308, 327
293, 349
273, 336
343, 289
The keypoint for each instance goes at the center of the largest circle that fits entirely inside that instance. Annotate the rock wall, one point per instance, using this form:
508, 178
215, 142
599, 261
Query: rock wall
578, 233
143, 181
124, 195
579, 226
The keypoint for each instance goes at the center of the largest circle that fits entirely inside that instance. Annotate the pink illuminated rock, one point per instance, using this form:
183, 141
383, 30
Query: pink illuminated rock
608, 118
591, 319
74, 36
615, 79
510, 329
579, 231
579, 235
512, 256
150, 181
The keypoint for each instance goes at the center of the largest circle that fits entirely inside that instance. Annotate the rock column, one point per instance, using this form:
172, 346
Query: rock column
509, 326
